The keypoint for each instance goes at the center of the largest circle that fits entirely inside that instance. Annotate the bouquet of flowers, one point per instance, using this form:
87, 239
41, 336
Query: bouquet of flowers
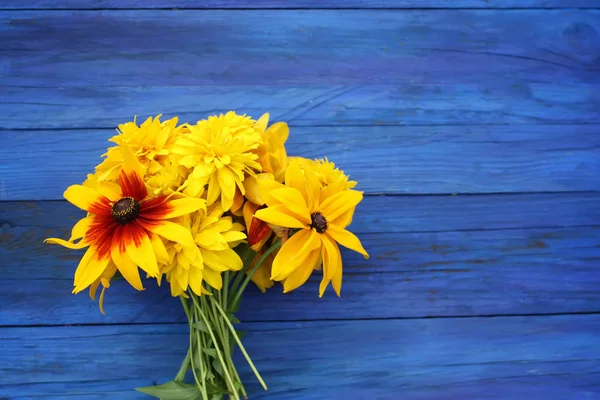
209, 207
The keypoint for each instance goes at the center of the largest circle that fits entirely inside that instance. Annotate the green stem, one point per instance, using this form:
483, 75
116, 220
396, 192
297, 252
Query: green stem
225, 288
186, 361
242, 287
219, 355
239, 343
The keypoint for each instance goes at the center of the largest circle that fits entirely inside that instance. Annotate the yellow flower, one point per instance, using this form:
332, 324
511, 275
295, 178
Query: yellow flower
124, 226
332, 179
215, 235
220, 153
150, 142
272, 153
320, 218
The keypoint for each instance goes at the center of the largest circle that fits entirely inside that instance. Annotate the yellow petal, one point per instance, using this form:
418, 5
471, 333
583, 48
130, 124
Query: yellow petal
262, 276
80, 228
90, 271
278, 215
252, 189
346, 239
227, 183
293, 200
127, 268
248, 211
173, 232
294, 177
223, 260
213, 278
312, 242
302, 273
70, 245
101, 301
214, 190
130, 162
196, 275
340, 203
143, 255
233, 236
162, 256
345, 219
265, 187
110, 190
279, 132
82, 196
93, 289
238, 201
331, 262
289, 256
184, 206
262, 122
336, 280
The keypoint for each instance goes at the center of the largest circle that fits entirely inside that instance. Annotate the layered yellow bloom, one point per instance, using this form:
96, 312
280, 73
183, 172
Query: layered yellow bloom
151, 142
215, 236
220, 151
332, 179
320, 217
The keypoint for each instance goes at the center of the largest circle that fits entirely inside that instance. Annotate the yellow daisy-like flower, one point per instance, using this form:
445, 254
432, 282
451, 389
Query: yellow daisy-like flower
220, 151
150, 142
215, 236
332, 179
320, 218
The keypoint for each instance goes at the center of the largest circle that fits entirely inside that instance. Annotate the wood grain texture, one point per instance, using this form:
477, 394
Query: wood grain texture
384, 160
415, 359
82, 69
297, 48
289, 4
521, 271
443, 256
495, 102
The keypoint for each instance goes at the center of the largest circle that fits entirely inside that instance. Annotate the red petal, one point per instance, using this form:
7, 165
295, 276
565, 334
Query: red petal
132, 185
100, 234
156, 208
257, 232
101, 207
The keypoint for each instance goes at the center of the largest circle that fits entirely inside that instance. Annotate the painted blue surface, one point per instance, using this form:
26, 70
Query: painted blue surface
473, 128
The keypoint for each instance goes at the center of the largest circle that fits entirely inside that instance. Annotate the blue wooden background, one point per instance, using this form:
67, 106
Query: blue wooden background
473, 126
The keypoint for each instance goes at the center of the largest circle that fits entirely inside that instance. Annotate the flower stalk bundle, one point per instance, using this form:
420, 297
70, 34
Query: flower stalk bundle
208, 208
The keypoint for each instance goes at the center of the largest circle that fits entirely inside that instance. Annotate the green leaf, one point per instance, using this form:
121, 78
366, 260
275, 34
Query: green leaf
217, 367
172, 391
200, 325
211, 352
234, 319
212, 388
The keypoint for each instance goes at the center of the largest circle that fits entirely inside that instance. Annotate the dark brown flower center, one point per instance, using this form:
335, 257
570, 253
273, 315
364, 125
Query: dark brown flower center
125, 210
318, 221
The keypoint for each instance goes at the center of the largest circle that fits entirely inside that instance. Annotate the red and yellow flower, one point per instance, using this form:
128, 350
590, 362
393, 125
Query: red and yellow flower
125, 226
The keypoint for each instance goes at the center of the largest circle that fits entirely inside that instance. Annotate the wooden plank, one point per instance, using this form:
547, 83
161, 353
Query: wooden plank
496, 101
308, 67
295, 4
534, 357
431, 271
388, 160
297, 48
